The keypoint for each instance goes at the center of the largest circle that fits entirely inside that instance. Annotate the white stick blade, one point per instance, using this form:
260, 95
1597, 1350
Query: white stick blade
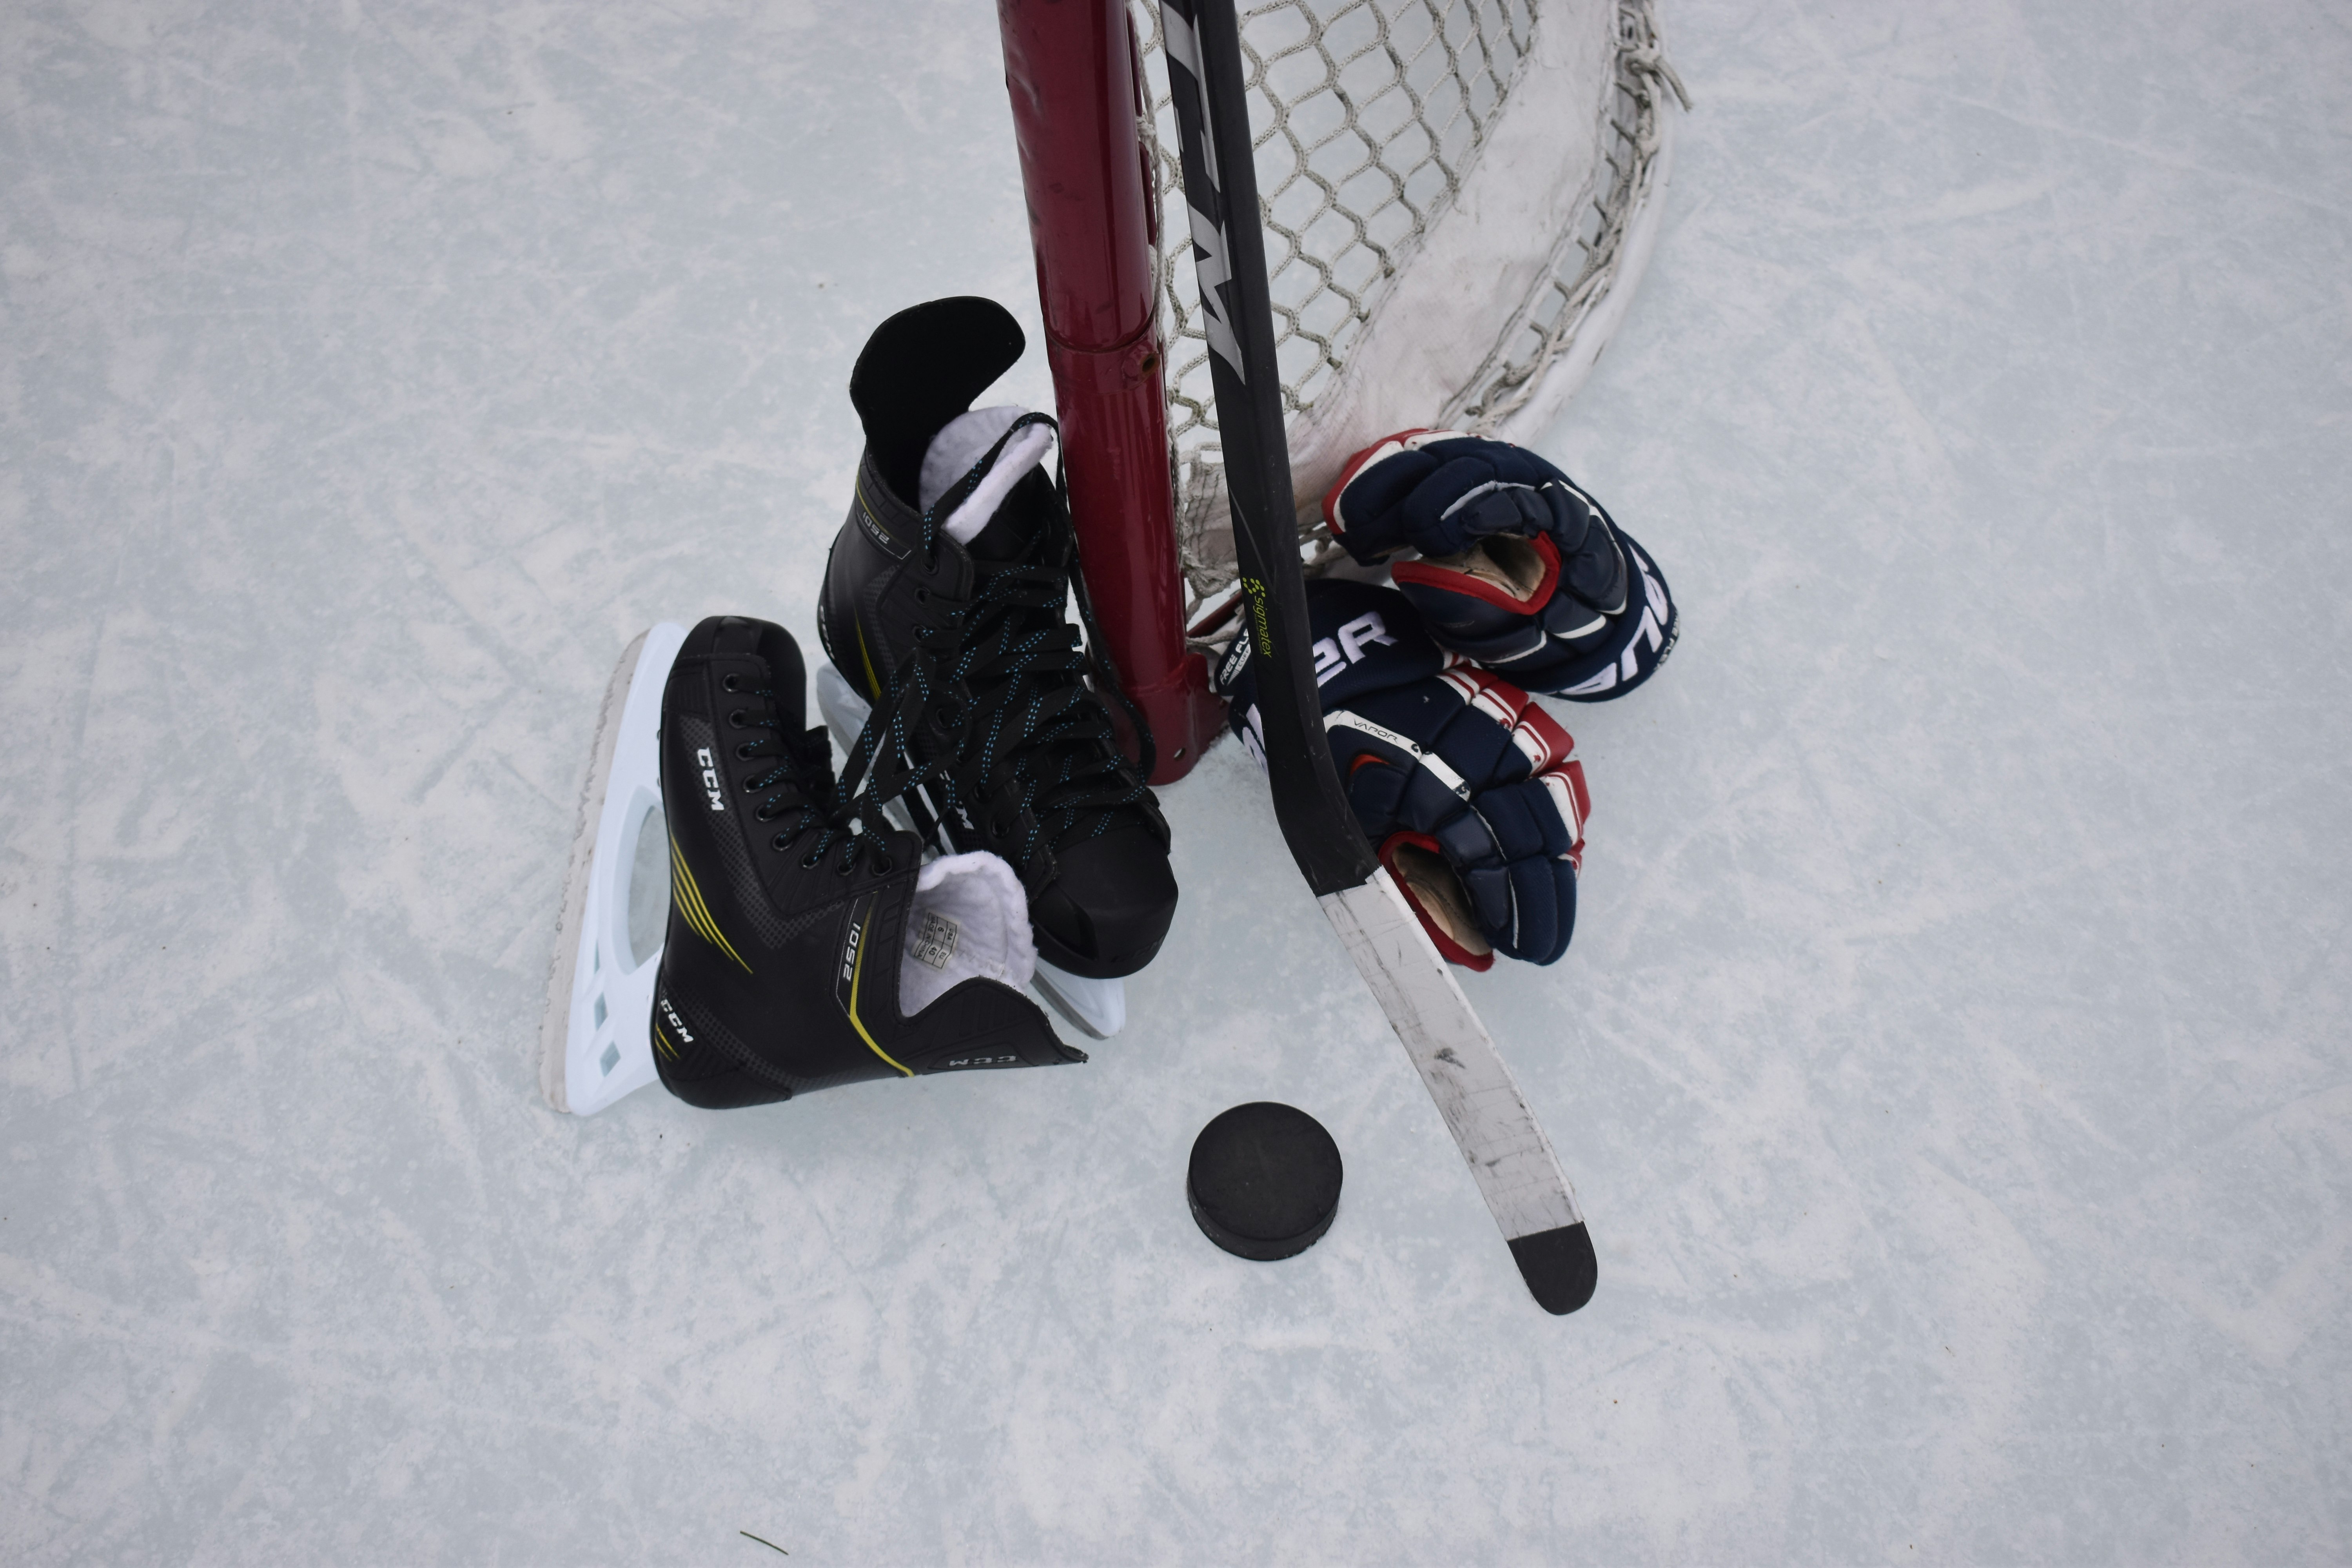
1516, 1172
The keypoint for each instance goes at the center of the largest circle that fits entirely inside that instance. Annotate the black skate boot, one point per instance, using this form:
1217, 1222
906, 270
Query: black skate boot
958, 536
803, 952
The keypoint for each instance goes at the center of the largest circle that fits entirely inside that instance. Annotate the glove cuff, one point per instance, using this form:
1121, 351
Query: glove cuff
1637, 644
1519, 575
1418, 866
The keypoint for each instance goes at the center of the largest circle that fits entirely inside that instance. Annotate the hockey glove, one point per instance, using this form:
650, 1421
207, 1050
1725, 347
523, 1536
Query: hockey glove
1518, 569
1471, 792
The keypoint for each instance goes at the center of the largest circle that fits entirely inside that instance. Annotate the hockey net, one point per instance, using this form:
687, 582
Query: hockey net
1453, 194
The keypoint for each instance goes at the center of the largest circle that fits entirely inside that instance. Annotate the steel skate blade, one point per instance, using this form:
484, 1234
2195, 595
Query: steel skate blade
1097, 1007
595, 1038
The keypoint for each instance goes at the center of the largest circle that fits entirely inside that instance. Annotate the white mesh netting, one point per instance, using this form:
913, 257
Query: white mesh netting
1452, 193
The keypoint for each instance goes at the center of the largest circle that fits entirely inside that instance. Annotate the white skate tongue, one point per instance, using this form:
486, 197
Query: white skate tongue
963, 441
969, 919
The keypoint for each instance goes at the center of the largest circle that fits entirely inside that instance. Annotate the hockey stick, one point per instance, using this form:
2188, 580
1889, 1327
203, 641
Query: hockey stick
1518, 1174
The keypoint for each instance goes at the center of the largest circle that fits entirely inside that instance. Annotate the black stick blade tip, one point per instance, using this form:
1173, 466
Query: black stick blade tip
1559, 1267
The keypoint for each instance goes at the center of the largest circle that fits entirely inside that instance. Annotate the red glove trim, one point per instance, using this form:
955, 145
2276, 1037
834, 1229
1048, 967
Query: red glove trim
1454, 580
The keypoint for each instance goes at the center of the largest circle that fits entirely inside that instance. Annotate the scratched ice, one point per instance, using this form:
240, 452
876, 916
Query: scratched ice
1952, 1058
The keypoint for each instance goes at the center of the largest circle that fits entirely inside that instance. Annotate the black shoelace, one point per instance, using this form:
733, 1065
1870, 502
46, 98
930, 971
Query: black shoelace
802, 784
1011, 651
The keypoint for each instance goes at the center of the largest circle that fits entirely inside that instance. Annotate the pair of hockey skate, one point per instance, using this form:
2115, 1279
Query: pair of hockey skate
1508, 577
808, 945
808, 942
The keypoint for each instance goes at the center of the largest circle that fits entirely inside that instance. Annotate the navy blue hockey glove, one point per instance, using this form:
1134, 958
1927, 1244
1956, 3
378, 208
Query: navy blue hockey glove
1518, 569
1471, 792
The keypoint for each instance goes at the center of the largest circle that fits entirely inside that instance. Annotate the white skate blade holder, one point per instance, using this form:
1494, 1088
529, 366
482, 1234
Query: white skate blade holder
596, 1039
1098, 1007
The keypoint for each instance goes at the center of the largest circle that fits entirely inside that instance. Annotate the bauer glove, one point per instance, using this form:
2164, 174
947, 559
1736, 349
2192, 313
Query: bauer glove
1518, 568
1471, 792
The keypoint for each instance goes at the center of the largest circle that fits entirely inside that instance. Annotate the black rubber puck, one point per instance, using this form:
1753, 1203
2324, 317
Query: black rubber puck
1264, 1180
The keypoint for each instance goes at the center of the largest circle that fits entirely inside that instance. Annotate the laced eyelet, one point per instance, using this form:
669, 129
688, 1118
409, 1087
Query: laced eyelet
732, 683
781, 842
949, 714
881, 864
845, 867
808, 861
743, 752
735, 720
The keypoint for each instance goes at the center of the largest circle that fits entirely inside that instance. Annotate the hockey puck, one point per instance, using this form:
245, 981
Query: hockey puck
1264, 1181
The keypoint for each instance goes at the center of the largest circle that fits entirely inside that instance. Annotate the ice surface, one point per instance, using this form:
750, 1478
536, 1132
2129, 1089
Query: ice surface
1952, 1056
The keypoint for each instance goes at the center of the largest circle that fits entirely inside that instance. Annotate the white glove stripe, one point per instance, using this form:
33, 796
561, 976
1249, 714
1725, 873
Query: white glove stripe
1563, 796
1475, 491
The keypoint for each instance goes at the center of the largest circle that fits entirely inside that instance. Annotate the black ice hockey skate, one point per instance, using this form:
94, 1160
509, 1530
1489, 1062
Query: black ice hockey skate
957, 536
803, 952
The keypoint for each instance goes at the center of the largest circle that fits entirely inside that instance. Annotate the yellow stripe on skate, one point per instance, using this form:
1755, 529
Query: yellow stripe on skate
857, 980
689, 897
873, 681
662, 1041
690, 905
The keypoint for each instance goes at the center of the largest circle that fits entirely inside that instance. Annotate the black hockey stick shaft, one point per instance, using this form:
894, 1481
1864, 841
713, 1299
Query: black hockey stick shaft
1220, 189
1511, 1159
